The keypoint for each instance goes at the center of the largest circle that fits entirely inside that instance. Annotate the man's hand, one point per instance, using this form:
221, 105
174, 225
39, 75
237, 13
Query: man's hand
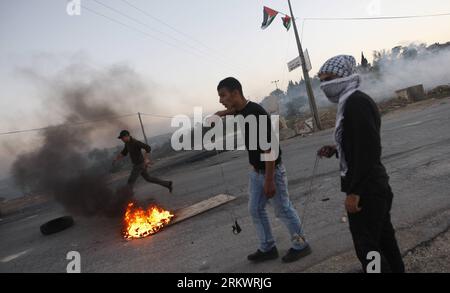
327, 151
147, 162
221, 113
225, 112
212, 118
352, 204
147, 159
117, 158
269, 188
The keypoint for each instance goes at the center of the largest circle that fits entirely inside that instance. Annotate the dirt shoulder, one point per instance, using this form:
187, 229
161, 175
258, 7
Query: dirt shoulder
425, 247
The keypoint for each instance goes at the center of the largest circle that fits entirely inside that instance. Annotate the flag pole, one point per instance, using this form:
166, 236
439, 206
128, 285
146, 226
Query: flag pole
309, 90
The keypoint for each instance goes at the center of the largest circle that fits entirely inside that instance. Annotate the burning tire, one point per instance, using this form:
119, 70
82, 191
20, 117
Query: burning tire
57, 225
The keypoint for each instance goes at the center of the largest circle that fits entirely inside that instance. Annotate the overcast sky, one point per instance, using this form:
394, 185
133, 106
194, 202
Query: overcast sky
225, 39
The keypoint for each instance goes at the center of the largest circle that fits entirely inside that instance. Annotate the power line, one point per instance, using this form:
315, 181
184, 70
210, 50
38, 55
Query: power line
137, 30
216, 53
367, 18
370, 17
162, 116
146, 25
133, 19
157, 116
170, 26
70, 124
199, 53
377, 17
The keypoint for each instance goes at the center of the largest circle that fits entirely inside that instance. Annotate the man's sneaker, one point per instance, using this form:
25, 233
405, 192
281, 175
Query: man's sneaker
295, 254
260, 256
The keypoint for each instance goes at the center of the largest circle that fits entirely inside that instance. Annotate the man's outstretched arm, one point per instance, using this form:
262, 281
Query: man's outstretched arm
118, 157
226, 112
121, 155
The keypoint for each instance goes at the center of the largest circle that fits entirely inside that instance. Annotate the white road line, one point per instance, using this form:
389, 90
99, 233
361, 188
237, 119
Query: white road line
413, 124
14, 256
30, 217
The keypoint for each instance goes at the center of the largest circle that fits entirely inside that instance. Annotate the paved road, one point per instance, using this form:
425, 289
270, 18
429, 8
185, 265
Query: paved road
416, 153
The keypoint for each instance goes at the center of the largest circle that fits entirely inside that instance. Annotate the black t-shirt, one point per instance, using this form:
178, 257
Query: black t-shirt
134, 147
254, 156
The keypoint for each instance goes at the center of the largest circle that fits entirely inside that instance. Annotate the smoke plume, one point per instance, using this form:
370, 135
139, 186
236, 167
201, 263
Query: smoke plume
61, 166
407, 66
392, 70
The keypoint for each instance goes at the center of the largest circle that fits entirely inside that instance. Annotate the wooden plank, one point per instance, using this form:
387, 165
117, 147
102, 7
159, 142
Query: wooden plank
201, 207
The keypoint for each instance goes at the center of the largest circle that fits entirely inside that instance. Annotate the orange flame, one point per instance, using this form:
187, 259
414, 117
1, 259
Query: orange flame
140, 223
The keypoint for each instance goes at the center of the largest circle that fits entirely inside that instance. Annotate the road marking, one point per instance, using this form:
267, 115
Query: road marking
404, 125
413, 124
29, 218
14, 256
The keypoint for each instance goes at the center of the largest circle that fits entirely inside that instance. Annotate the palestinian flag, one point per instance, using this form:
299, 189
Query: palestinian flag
287, 22
269, 16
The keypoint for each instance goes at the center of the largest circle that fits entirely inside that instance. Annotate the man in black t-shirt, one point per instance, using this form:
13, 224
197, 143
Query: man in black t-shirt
268, 181
261, 116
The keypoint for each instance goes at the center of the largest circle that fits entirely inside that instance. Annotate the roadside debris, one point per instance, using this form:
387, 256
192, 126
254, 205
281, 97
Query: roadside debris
412, 94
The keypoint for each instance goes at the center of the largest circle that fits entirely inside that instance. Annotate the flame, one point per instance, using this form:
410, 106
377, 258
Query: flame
140, 223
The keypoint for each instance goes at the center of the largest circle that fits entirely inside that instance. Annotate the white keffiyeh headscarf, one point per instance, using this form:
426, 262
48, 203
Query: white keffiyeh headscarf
338, 91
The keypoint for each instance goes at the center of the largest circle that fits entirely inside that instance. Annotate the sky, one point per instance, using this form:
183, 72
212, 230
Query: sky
182, 49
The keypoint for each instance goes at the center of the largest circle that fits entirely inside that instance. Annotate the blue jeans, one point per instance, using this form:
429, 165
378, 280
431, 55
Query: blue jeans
284, 210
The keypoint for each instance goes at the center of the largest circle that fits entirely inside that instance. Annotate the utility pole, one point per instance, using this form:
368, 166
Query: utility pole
142, 127
309, 90
276, 83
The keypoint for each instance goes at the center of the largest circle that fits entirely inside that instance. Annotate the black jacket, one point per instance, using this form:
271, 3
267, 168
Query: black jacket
362, 147
134, 148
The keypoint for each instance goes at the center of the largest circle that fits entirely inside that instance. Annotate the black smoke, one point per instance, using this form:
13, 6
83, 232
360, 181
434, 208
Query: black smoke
66, 164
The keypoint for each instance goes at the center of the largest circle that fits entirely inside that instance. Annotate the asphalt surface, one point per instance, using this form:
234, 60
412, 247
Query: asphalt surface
416, 152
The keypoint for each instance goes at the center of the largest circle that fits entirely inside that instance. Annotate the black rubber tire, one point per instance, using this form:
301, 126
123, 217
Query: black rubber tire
57, 225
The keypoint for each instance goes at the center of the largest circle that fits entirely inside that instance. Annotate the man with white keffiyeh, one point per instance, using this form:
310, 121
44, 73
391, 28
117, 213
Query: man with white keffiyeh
363, 176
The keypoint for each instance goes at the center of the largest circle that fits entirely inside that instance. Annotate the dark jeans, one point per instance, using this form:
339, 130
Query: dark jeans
372, 230
141, 170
